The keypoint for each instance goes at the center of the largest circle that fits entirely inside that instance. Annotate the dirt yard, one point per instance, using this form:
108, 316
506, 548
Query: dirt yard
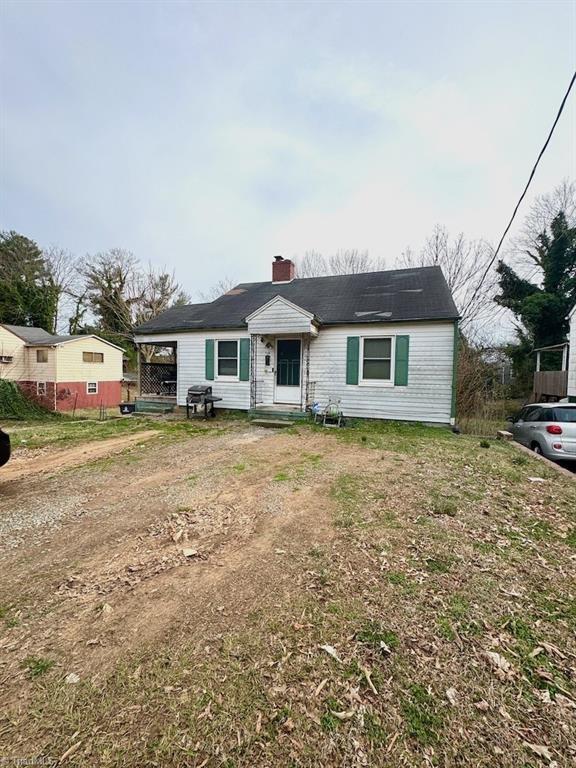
224, 595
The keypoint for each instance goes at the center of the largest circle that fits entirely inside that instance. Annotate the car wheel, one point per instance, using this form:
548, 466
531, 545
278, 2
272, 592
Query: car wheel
536, 448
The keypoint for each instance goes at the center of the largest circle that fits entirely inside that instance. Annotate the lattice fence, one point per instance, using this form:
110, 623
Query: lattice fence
153, 374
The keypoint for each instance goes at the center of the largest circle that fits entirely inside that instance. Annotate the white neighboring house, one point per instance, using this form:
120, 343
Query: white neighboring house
572, 357
383, 343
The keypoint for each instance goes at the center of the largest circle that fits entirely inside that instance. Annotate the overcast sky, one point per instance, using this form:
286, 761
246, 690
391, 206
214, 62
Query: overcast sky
210, 136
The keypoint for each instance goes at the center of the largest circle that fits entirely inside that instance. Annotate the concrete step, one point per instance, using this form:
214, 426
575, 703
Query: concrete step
272, 423
264, 413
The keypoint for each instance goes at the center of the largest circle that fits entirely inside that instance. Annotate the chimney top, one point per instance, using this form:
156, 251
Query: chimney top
283, 270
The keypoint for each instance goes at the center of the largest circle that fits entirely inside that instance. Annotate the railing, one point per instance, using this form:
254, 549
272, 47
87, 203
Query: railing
550, 384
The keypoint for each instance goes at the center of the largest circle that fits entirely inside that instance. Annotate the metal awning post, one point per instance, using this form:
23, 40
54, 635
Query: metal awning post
538, 360
565, 358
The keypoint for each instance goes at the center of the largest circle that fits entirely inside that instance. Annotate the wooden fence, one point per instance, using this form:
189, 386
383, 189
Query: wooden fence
549, 385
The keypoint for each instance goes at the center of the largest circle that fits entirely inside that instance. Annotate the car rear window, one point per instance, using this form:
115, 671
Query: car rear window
564, 415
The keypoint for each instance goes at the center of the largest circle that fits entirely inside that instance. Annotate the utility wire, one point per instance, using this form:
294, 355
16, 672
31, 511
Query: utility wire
523, 195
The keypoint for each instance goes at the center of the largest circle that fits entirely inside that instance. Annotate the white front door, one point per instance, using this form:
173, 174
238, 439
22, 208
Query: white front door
288, 375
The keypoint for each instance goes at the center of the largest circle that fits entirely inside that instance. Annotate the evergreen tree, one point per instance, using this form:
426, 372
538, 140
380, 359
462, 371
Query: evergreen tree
28, 295
541, 307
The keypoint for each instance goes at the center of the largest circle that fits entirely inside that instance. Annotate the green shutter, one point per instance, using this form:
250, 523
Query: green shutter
401, 363
209, 359
244, 359
352, 359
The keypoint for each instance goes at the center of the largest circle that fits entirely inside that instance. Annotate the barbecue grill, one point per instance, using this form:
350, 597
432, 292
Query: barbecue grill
201, 394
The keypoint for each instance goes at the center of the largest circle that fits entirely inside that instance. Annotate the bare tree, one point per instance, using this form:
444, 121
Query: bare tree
463, 263
343, 262
122, 295
217, 290
542, 212
64, 270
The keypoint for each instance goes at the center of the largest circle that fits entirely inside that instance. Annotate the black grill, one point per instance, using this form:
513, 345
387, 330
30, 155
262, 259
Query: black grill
198, 393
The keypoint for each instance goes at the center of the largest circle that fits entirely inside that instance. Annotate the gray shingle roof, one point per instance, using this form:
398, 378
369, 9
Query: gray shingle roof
57, 340
28, 334
392, 296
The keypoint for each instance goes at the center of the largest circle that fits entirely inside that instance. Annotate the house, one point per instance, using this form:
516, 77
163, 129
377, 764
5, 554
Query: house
383, 343
61, 372
572, 358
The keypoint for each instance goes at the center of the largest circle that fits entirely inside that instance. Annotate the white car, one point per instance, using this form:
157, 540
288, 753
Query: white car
548, 429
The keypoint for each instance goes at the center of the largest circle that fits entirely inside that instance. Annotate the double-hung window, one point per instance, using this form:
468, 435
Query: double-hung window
227, 359
91, 387
376, 359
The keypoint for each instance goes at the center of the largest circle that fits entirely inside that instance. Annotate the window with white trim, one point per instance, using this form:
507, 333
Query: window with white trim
41, 355
227, 359
91, 387
376, 358
40, 387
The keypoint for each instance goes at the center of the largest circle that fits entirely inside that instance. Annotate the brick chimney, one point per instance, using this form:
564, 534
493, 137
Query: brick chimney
283, 270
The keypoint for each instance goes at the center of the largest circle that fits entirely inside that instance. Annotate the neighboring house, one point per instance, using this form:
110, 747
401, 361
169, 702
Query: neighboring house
572, 358
383, 343
61, 372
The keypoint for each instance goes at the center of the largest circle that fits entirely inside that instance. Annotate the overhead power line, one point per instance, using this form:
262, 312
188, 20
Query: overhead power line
523, 195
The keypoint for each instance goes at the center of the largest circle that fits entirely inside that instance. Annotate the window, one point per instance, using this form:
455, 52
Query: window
40, 387
564, 415
91, 387
41, 355
93, 357
228, 358
377, 358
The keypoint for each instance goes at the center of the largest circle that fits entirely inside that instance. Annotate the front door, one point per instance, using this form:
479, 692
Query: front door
288, 356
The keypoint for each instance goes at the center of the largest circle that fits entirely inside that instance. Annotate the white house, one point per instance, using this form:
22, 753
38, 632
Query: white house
572, 357
383, 343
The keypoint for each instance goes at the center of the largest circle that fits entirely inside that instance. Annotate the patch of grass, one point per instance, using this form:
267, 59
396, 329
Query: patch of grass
281, 477
398, 436
423, 718
373, 633
571, 538
520, 460
397, 578
540, 529
239, 467
484, 444
37, 666
375, 732
439, 563
346, 492
328, 721
445, 505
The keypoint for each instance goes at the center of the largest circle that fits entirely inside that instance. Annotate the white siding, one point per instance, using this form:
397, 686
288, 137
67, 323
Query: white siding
428, 396
572, 358
280, 317
24, 366
190, 353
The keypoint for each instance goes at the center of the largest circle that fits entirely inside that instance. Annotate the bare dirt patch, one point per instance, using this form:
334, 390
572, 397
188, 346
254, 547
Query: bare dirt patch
31, 463
240, 597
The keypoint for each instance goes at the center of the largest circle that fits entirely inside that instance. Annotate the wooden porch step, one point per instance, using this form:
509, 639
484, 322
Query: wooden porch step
272, 423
